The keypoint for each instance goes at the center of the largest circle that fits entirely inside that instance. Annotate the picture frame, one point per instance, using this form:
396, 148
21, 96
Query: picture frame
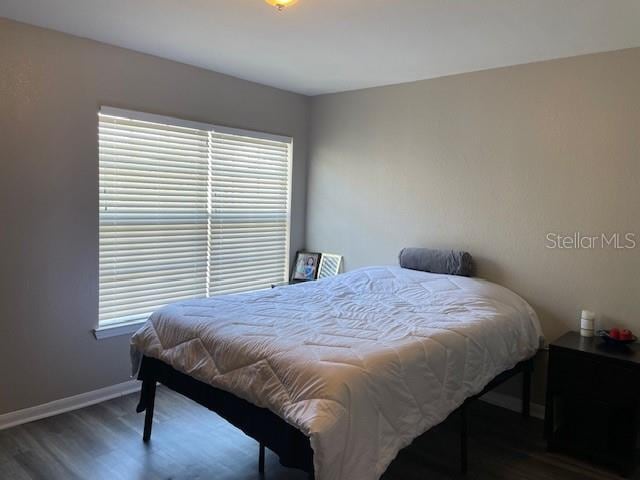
330, 265
306, 266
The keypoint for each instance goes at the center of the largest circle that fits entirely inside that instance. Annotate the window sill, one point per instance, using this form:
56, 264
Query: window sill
117, 330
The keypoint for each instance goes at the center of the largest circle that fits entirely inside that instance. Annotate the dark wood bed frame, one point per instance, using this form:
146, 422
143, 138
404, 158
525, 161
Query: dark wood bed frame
269, 430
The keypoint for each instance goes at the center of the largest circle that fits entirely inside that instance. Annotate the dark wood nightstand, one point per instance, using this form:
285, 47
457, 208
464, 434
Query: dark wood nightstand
282, 284
593, 395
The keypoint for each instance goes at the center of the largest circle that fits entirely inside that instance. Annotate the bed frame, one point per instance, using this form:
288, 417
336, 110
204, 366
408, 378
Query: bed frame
269, 430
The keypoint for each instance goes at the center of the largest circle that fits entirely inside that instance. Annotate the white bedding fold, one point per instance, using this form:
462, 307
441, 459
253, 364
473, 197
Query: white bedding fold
362, 363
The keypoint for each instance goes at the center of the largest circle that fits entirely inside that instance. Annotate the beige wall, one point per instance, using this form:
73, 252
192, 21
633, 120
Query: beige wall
51, 86
490, 162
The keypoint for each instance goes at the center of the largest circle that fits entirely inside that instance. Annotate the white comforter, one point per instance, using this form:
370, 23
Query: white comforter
362, 363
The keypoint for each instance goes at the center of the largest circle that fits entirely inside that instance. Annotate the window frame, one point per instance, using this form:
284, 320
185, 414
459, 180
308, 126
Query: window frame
126, 328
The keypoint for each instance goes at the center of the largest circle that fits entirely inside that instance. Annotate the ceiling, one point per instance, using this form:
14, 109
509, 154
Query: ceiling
322, 46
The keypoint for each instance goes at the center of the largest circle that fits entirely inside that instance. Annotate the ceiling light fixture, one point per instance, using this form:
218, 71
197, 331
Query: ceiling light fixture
281, 4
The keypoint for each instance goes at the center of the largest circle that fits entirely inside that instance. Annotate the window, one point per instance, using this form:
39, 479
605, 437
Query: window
187, 210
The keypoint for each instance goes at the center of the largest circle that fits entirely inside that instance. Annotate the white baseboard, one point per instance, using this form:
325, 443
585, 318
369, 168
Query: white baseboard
76, 402
56, 407
512, 403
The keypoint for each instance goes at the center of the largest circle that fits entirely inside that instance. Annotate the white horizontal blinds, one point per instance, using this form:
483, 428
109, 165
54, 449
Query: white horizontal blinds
187, 210
154, 216
249, 212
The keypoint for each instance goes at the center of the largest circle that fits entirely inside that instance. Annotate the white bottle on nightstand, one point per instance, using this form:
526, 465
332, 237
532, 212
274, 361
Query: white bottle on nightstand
587, 323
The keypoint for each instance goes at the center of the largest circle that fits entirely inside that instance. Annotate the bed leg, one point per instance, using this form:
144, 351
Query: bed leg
261, 459
463, 438
147, 400
526, 390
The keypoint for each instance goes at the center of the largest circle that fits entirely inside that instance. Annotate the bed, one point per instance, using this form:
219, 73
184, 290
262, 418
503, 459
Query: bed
337, 376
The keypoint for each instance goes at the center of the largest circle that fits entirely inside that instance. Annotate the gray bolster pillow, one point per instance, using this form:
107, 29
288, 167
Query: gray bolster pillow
450, 262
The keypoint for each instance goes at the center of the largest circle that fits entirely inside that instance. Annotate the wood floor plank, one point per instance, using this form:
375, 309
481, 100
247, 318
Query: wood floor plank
104, 442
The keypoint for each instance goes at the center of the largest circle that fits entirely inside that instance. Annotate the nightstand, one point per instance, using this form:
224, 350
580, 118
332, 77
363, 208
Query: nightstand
593, 395
282, 284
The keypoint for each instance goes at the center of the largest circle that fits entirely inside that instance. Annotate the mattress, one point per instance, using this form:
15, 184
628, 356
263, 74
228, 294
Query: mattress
361, 363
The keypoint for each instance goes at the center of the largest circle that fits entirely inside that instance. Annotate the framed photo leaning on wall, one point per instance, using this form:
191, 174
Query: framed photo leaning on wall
306, 266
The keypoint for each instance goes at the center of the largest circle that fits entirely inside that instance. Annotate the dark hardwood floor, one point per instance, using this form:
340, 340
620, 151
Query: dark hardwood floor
189, 442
